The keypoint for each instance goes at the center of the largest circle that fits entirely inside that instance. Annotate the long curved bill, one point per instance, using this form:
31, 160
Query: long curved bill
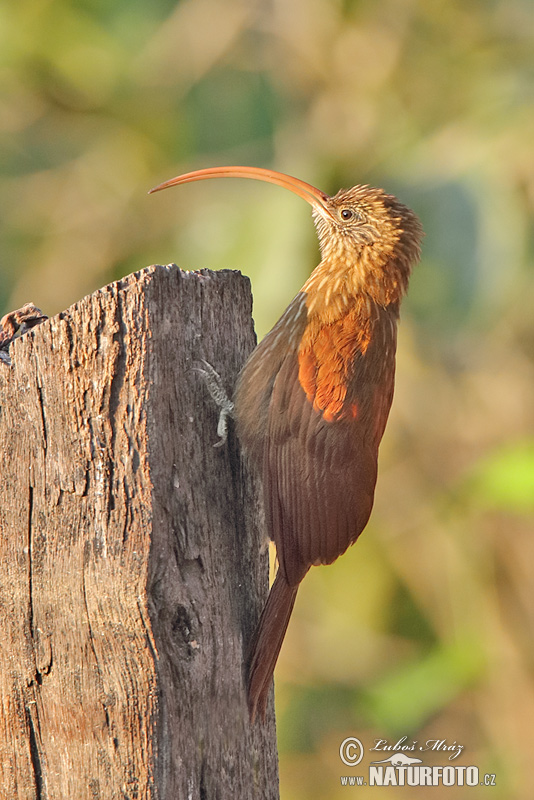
314, 196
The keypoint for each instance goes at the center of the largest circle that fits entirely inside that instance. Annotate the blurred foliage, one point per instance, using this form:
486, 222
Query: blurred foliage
424, 629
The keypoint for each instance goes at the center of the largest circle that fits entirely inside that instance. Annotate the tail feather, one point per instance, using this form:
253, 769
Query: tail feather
267, 641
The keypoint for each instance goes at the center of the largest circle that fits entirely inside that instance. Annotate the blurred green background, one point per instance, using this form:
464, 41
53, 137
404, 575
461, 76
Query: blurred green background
425, 628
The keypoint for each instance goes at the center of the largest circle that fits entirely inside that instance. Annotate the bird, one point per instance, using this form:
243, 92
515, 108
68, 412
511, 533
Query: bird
312, 401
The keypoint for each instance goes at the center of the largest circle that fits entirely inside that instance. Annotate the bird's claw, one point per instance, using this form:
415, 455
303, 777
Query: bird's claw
218, 393
17, 323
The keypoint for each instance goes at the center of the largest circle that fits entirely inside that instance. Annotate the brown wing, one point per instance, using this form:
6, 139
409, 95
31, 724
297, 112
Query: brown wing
256, 380
318, 454
319, 478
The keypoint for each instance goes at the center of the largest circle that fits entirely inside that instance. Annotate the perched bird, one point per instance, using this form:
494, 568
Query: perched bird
312, 401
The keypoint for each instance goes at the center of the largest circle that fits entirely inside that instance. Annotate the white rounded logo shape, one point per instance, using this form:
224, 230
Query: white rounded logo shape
351, 751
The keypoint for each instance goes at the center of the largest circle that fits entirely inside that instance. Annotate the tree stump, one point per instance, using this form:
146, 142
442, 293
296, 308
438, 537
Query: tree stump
130, 569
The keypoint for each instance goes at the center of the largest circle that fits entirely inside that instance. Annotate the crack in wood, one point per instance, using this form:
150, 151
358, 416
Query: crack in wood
41, 408
38, 678
35, 757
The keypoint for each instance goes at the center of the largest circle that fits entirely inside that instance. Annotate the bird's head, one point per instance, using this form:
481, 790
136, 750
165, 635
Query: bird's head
362, 227
370, 232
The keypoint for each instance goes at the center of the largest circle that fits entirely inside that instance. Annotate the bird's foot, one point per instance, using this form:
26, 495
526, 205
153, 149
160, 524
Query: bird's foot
218, 393
16, 323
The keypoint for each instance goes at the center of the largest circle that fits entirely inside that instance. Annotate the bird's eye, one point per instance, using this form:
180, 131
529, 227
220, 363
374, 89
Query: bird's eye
346, 214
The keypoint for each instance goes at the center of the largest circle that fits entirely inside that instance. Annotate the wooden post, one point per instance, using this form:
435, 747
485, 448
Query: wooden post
130, 568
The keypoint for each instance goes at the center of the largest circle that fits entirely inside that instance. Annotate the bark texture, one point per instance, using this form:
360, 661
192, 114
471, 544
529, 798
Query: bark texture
130, 568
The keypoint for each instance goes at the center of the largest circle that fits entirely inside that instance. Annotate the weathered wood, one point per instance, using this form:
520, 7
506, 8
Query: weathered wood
130, 567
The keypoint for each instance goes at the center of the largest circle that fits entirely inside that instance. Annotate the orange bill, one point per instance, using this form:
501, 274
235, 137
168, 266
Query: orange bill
310, 193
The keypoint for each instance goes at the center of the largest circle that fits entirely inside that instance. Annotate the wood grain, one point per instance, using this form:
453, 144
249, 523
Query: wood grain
130, 569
